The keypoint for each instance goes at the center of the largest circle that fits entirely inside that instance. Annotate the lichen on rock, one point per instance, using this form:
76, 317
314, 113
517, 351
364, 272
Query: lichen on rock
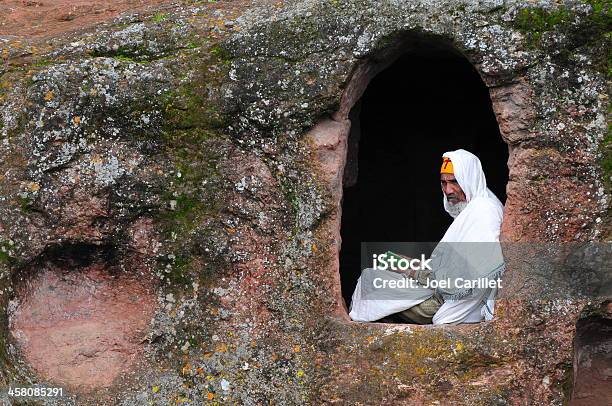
206, 146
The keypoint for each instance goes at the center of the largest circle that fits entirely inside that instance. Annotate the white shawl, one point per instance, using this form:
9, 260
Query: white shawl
480, 221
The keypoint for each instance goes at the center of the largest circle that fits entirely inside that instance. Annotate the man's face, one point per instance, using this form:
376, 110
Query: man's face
451, 188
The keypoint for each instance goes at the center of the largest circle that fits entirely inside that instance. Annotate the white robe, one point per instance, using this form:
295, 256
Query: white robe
479, 221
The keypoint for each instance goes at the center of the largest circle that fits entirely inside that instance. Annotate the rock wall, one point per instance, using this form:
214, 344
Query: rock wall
201, 155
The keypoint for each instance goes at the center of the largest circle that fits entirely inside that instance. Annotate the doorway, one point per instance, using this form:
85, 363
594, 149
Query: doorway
429, 101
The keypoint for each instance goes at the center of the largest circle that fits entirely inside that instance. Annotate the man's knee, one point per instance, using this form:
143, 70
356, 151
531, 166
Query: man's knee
461, 311
422, 313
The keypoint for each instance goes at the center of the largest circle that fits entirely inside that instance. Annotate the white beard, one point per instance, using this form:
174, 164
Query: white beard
455, 209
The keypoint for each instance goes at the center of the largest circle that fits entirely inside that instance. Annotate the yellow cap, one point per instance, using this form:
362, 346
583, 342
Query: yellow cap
447, 166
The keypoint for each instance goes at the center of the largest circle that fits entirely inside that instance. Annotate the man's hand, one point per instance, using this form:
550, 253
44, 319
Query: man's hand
410, 272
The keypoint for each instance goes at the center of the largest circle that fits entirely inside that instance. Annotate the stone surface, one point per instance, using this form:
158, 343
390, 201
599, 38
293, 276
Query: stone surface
81, 329
202, 147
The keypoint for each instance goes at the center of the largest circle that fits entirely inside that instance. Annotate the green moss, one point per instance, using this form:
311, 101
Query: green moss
601, 9
581, 30
291, 197
221, 54
187, 108
192, 125
128, 54
185, 205
599, 33
25, 205
6, 258
191, 197
297, 34
124, 58
192, 208
540, 20
534, 22
192, 106
191, 142
159, 17
194, 193
180, 270
43, 62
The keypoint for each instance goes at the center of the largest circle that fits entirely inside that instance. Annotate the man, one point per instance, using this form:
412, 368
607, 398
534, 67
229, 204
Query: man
469, 250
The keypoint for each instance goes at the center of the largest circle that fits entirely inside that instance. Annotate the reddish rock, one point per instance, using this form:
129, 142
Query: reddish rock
513, 106
82, 328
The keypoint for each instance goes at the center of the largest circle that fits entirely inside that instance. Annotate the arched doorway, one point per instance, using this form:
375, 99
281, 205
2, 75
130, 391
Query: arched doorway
592, 360
430, 100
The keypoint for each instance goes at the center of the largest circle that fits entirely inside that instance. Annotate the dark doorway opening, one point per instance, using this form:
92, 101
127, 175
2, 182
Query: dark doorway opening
592, 361
429, 101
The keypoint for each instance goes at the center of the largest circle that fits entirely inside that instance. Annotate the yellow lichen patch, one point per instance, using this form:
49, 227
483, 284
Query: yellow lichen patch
420, 370
420, 353
458, 347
